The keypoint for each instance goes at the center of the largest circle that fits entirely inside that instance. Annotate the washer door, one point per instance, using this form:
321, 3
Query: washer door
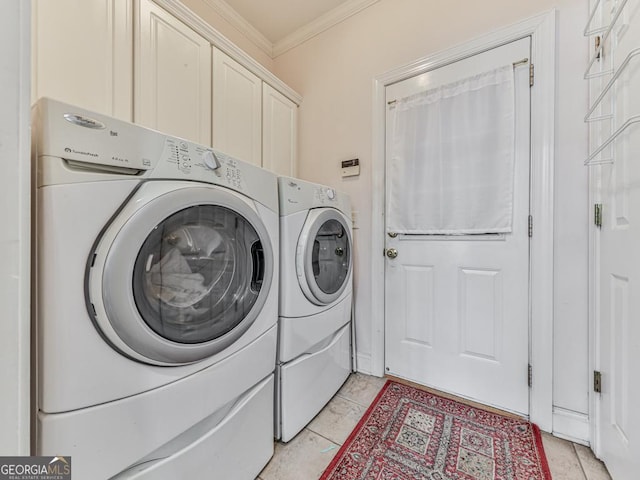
323, 256
180, 273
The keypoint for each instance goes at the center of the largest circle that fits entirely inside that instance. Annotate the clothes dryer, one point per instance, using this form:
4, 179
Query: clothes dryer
156, 276
316, 272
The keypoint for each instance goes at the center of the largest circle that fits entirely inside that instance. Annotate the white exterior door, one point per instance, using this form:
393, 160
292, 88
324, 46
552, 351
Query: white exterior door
617, 328
457, 307
237, 109
172, 76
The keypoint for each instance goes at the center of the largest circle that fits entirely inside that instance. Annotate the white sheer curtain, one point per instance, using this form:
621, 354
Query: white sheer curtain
452, 158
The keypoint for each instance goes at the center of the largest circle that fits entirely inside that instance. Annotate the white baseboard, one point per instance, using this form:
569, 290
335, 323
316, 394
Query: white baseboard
363, 363
571, 425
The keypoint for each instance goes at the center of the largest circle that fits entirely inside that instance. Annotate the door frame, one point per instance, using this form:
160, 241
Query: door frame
15, 269
542, 30
595, 196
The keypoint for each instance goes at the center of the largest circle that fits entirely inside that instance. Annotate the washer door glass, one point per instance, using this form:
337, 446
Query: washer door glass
330, 257
198, 274
324, 255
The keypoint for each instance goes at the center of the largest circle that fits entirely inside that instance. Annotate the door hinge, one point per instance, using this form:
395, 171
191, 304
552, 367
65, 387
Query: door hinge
597, 215
530, 226
531, 74
529, 375
597, 381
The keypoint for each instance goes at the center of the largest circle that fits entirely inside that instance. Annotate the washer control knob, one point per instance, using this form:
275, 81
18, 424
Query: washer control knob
331, 193
210, 160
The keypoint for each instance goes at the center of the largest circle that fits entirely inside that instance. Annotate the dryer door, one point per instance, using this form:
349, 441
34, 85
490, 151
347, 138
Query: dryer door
180, 273
323, 256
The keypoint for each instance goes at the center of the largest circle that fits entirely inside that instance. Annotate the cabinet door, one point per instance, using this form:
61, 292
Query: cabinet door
237, 109
172, 75
82, 54
279, 127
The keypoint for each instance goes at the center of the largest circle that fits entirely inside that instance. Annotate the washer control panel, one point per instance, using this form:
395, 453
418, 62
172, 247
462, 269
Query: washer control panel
324, 195
210, 160
197, 162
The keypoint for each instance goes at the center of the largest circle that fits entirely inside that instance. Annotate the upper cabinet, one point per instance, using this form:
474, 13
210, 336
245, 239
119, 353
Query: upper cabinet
156, 63
237, 109
172, 75
279, 121
82, 54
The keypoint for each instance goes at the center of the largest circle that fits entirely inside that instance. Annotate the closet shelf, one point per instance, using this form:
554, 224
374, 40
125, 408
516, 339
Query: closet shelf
616, 134
633, 53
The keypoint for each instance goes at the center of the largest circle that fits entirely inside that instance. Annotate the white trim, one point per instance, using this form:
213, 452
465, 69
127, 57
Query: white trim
570, 425
299, 36
364, 363
236, 20
320, 24
184, 14
594, 292
542, 29
15, 256
595, 196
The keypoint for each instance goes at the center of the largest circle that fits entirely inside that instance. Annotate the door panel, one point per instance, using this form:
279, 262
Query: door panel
480, 301
618, 330
237, 109
419, 300
279, 122
172, 76
457, 306
82, 54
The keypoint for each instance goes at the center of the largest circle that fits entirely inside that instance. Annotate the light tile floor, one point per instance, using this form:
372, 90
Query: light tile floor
308, 454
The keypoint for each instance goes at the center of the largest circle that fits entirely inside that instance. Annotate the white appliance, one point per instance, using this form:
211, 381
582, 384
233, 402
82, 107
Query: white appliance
156, 276
316, 271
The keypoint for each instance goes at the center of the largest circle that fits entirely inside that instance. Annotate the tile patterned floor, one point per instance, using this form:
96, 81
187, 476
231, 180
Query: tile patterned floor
308, 454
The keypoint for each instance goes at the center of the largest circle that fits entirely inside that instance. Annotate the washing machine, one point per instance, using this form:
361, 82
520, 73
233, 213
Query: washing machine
155, 302
316, 275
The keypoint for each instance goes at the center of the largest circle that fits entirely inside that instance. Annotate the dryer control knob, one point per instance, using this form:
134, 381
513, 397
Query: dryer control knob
210, 160
331, 193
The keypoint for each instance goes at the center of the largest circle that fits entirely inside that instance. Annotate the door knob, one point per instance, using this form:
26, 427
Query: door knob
392, 253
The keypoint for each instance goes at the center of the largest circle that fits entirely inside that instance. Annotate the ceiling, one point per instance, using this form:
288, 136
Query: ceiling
276, 26
276, 19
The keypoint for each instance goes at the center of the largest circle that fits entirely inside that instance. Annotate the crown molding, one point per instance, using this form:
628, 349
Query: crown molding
236, 20
301, 35
184, 14
319, 25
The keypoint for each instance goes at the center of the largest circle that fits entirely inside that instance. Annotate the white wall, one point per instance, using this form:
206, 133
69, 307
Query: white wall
14, 234
334, 72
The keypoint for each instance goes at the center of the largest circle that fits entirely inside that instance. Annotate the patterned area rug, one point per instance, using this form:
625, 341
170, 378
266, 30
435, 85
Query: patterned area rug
410, 434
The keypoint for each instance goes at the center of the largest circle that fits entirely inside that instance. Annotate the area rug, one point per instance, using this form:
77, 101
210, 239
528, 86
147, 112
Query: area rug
410, 434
